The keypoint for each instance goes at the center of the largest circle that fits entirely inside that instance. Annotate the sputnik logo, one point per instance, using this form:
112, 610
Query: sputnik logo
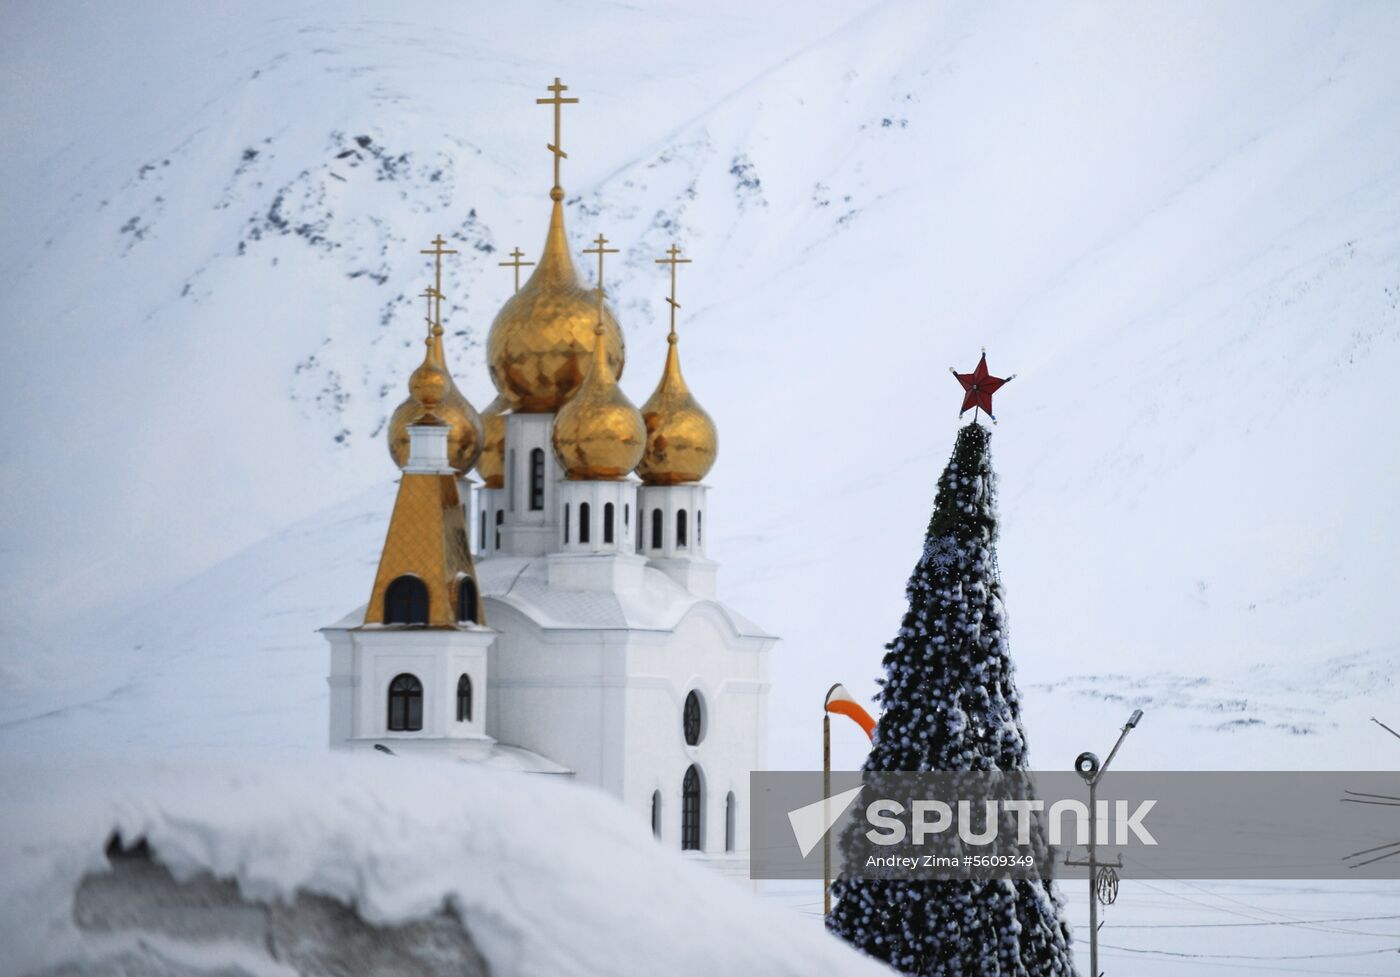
811, 823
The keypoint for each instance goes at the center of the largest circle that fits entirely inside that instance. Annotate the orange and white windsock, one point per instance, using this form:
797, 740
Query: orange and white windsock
840, 701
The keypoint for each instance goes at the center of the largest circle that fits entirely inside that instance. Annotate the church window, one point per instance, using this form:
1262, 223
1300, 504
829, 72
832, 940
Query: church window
566, 523
656, 529
405, 704
656, 813
699, 541
464, 702
583, 514
680, 529
514, 481
500, 518
406, 601
729, 822
608, 522
482, 544
537, 480
627, 517
691, 717
690, 810
466, 600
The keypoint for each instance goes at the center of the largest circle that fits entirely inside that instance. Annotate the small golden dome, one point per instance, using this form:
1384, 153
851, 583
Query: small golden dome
599, 434
539, 345
682, 441
491, 466
433, 392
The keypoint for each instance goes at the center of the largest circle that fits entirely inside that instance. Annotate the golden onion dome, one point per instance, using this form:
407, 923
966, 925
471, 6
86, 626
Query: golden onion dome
491, 466
539, 345
432, 391
599, 434
682, 441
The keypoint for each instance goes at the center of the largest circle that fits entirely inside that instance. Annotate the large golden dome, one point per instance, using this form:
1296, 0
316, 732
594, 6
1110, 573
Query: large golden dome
599, 433
491, 466
433, 382
539, 345
682, 441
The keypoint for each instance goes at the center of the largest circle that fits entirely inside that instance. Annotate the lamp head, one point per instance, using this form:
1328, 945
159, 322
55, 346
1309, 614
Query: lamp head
1133, 719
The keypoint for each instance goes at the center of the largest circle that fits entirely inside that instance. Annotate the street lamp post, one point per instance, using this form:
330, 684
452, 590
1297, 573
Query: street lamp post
1087, 766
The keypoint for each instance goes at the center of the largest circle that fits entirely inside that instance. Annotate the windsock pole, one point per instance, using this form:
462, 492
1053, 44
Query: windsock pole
826, 800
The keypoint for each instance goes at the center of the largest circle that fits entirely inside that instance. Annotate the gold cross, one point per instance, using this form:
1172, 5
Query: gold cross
437, 250
673, 260
600, 250
558, 101
431, 293
517, 264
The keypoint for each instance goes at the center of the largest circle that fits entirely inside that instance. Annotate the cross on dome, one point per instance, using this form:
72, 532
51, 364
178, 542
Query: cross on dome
558, 101
601, 250
673, 258
517, 264
437, 251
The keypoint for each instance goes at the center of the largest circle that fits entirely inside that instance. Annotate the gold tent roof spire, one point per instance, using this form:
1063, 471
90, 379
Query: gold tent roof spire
599, 434
682, 441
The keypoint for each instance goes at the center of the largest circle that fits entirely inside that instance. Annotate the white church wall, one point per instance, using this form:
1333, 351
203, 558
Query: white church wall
730, 674
365, 662
529, 531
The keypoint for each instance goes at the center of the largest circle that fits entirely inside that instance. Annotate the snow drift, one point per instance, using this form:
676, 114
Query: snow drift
546, 877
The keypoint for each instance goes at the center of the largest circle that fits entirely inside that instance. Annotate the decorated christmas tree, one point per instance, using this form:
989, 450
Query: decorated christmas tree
949, 703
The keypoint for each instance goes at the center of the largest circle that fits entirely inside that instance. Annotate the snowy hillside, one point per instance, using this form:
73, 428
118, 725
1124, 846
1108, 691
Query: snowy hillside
1179, 225
1185, 246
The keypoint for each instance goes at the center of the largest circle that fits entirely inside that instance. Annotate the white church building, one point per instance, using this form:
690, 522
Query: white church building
561, 617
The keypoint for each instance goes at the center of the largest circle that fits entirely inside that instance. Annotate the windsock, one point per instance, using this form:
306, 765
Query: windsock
839, 700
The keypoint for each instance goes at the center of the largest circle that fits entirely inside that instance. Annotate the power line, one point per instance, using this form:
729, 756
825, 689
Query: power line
1267, 922
1246, 956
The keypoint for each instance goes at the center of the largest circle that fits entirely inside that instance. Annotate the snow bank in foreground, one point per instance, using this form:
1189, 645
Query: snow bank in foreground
548, 877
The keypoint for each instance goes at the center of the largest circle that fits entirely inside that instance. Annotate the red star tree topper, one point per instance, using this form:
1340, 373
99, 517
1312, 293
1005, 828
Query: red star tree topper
978, 387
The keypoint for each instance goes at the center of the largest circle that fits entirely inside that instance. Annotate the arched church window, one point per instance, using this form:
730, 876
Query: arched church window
514, 480
466, 600
583, 534
729, 822
482, 545
690, 810
699, 541
405, 704
691, 719
656, 813
566, 522
500, 518
680, 529
536, 479
656, 529
464, 701
607, 522
406, 601
627, 516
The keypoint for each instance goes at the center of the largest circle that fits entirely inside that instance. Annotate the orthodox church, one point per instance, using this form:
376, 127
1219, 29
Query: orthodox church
561, 616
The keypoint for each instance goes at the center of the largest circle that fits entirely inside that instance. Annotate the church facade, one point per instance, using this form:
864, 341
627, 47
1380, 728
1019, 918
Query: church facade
561, 617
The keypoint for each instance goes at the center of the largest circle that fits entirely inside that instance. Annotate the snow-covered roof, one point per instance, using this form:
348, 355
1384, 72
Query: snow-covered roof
659, 604
545, 876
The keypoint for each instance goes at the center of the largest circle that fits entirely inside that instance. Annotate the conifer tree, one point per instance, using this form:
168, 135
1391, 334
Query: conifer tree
949, 703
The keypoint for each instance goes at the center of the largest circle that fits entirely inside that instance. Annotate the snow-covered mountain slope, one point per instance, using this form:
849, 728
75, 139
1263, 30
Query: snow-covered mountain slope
542, 877
1177, 225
